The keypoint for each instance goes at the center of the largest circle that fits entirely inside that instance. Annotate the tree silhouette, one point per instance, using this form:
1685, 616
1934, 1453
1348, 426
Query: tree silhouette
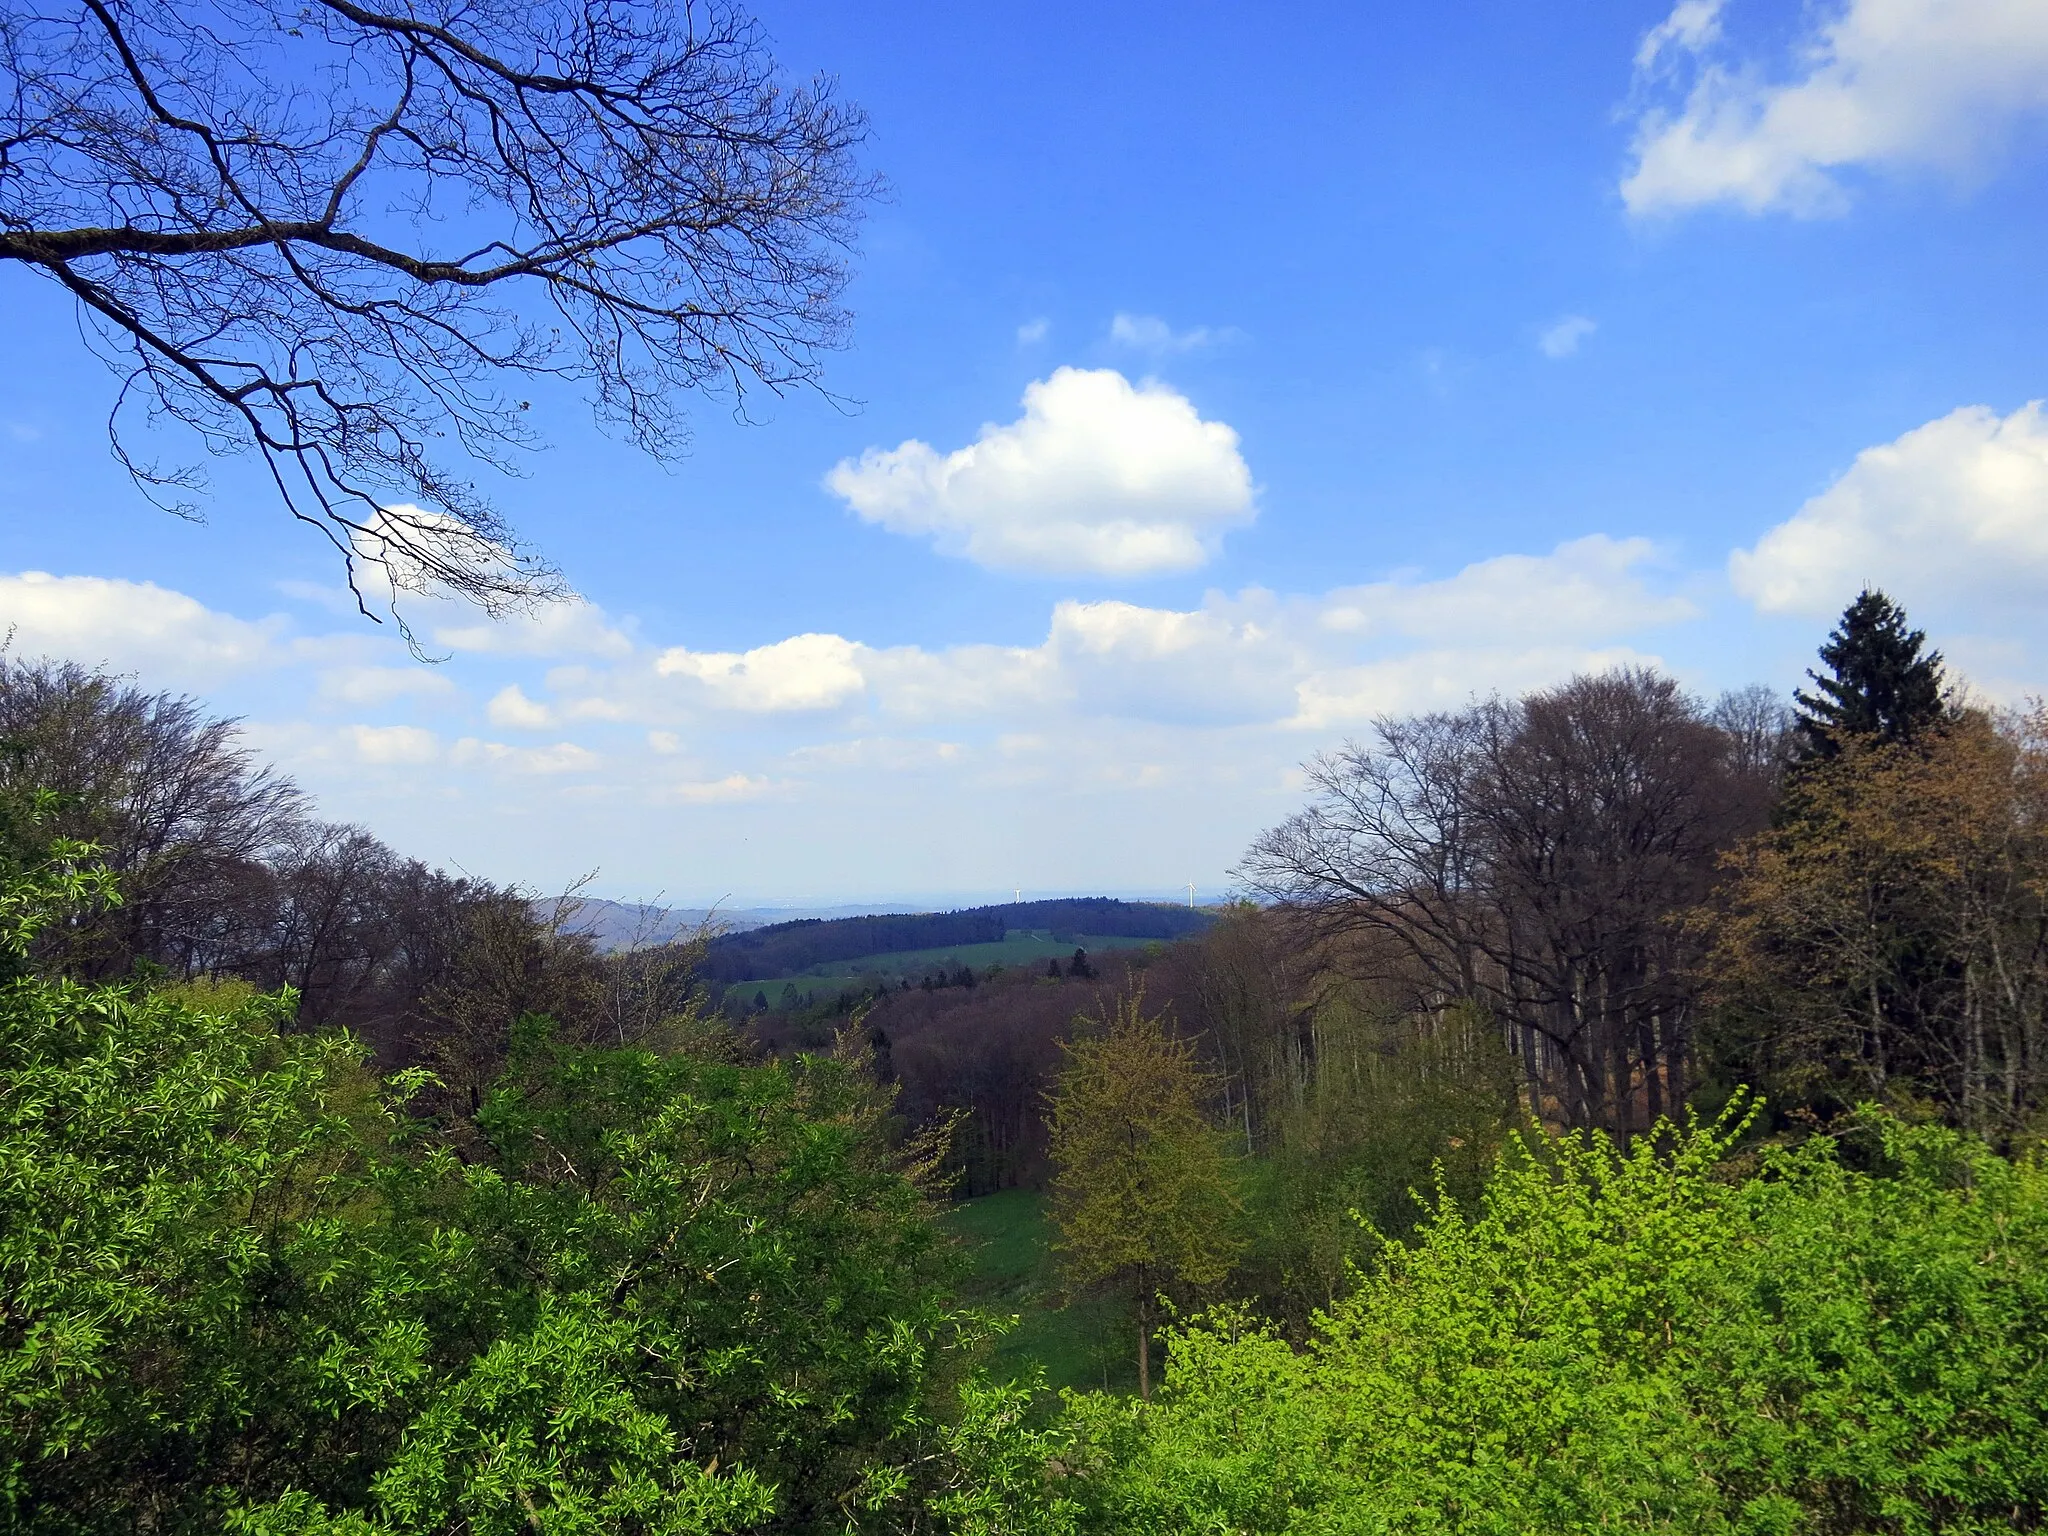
332, 234
1878, 686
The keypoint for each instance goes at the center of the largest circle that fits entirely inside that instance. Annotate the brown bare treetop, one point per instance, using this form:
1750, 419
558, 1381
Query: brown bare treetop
1535, 856
332, 233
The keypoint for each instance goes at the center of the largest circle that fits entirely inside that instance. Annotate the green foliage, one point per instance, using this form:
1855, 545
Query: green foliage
241, 1288
1065, 1339
1144, 1191
1396, 1105
1635, 1341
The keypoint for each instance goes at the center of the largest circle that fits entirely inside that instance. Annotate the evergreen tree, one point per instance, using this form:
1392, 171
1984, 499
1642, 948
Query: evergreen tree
1878, 685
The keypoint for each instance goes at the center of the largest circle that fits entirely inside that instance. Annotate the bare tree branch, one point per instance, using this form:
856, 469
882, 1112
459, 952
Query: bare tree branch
331, 234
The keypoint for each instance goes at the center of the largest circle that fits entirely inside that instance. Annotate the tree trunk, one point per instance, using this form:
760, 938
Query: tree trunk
1144, 1347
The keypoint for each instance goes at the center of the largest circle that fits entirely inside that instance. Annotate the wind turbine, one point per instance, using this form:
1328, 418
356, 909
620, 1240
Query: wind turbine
1191, 895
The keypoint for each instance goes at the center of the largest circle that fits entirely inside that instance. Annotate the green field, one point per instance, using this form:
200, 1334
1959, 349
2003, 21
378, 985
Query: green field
1009, 1243
1019, 947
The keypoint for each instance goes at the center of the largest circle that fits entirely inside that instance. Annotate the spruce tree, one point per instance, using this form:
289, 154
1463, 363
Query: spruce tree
1878, 685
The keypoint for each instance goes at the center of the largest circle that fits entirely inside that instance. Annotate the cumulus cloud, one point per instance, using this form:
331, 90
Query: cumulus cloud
1031, 332
511, 708
1879, 84
1561, 338
1222, 663
1584, 588
1444, 678
571, 627
1252, 658
135, 625
392, 745
1954, 509
1097, 477
805, 672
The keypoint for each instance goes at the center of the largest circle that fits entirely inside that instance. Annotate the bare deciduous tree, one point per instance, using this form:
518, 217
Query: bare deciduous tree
329, 233
1536, 857
180, 809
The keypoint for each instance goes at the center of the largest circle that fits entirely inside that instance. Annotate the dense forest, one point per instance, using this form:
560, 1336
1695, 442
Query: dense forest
1606, 1110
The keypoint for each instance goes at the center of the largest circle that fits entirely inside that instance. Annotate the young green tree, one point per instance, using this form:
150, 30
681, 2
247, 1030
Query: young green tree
1658, 1341
1144, 1192
1880, 685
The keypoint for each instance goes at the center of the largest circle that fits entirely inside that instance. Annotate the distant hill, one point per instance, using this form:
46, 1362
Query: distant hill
787, 949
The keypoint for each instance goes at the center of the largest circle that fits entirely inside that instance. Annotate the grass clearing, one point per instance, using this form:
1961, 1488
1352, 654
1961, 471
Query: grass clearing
1009, 1242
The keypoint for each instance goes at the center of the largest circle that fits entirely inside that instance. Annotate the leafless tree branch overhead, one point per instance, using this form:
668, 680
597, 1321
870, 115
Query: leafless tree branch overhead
333, 234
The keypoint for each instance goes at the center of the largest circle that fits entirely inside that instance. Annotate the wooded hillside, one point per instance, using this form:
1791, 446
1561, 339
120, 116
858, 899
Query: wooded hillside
786, 949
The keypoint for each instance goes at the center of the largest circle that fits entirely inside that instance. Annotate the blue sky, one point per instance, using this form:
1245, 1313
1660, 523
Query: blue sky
1220, 379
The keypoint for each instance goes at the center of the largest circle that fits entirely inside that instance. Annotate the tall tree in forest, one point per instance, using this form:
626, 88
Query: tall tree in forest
1880, 683
1143, 1191
1532, 856
1892, 937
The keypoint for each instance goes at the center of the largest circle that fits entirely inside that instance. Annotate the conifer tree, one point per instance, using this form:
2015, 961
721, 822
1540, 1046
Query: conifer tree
1879, 684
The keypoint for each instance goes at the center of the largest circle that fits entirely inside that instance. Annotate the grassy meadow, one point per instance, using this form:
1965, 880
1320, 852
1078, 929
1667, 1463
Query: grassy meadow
1015, 1273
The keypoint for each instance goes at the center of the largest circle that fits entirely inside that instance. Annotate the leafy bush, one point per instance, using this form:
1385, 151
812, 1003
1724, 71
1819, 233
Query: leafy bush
241, 1288
1635, 1341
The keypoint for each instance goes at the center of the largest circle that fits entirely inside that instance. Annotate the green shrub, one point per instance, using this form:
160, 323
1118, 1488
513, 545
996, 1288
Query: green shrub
1640, 1342
241, 1289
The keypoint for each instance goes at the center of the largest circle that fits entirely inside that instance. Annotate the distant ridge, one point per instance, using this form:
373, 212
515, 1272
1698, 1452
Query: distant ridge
785, 949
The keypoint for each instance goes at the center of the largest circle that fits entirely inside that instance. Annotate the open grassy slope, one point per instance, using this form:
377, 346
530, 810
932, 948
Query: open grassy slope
1009, 1242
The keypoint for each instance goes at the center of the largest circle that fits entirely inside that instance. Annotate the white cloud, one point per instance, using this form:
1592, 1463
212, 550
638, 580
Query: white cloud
1584, 588
392, 745
571, 627
380, 685
1120, 737
511, 708
805, 672
562, 757
888, 754
1443, 679
1225, 662
1691, 26
162, 635
912, 683
1953, 510
1031, 332
1149, 333
1561, 339
1098, 477
734, 786
1880, 84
